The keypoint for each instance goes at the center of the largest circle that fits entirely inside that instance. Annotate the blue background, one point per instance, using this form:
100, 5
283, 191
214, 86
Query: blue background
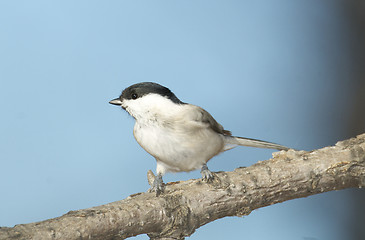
274, 70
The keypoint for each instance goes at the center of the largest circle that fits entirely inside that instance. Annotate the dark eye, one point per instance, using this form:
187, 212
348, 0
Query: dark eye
134, 96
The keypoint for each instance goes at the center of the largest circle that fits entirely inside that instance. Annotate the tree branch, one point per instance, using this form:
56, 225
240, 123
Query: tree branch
186, 206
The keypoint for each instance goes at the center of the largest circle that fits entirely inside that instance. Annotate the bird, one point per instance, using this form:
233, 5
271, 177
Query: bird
181, 137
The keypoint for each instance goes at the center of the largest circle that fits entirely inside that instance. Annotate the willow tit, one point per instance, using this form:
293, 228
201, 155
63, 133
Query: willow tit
182, 137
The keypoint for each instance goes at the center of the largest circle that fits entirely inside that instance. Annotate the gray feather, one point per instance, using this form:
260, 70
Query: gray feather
206, 118
232, 141
250, 142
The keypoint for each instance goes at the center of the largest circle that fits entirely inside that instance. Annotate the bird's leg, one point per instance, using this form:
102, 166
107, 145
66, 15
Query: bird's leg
207, 175
157, 186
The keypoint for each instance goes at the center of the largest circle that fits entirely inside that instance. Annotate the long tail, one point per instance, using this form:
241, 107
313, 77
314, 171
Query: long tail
232, 141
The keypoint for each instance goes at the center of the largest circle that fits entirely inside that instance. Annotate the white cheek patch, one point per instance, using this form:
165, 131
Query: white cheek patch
131, 106
136, 107
148, 106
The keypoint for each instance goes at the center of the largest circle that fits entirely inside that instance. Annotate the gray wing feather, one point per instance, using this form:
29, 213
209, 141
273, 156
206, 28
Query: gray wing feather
205, 117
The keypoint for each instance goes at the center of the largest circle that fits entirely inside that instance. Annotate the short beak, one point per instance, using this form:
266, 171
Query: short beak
116, 102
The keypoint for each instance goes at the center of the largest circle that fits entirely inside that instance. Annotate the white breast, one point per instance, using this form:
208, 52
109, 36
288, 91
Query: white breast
170, 132
178, 151
177, 143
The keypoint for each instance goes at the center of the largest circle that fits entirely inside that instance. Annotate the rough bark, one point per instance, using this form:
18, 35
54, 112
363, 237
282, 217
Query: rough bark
186, 206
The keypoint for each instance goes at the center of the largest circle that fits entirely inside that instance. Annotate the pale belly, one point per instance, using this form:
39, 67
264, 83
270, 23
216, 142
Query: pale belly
180, 151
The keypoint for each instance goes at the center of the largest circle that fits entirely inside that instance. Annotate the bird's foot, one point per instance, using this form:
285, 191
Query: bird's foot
207, 175
157, 186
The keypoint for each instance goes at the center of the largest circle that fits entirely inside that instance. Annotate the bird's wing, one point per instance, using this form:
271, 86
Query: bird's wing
202, 117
